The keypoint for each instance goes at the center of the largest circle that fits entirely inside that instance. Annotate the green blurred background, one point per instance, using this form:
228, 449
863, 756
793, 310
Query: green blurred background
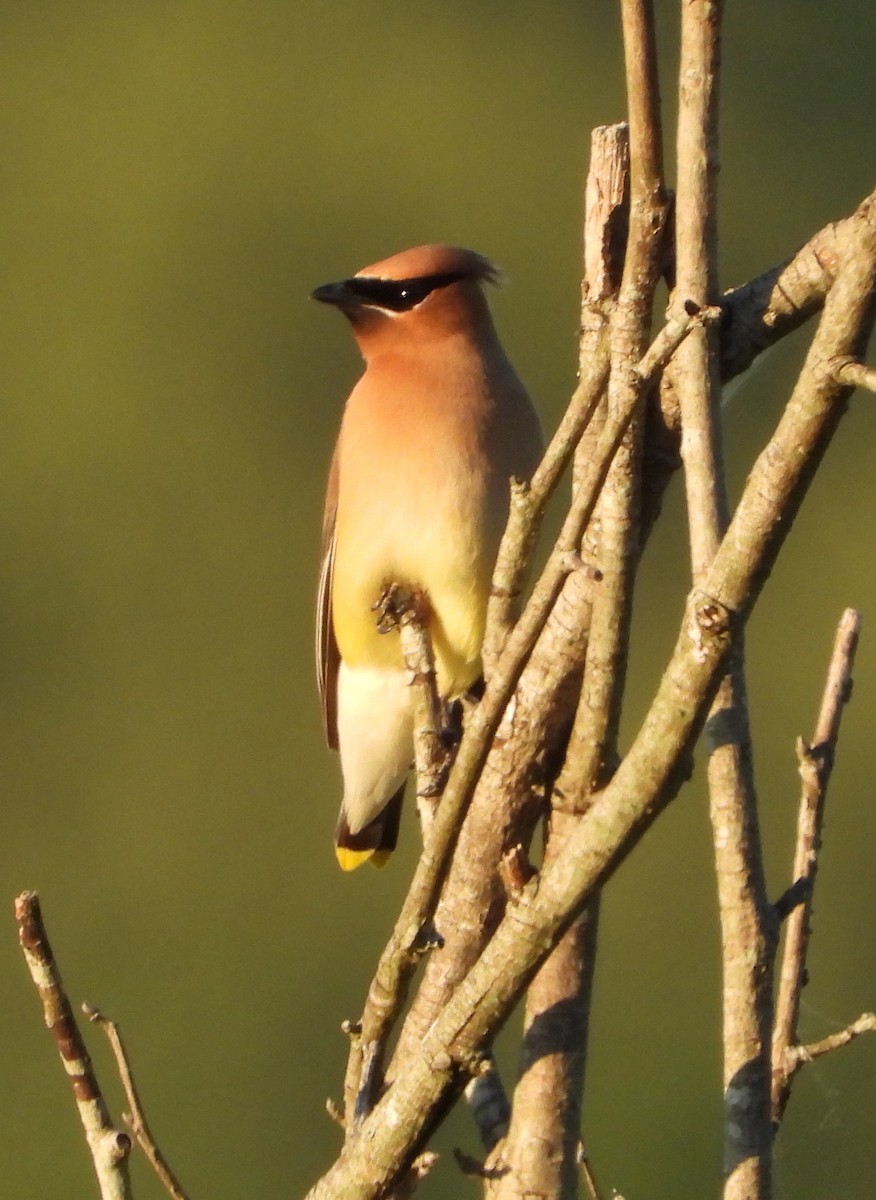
176, 178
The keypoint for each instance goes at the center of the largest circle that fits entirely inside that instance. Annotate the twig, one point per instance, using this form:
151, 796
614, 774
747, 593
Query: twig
505, 804
588, 1176
637, 377
856, 374
815, 765
136, 1119
528, 502
408, 611
866, 1023
643, 104
109, 1146
335, 1112
419, 1169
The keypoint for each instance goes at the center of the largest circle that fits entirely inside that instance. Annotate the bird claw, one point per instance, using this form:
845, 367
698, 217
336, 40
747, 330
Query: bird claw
398, 604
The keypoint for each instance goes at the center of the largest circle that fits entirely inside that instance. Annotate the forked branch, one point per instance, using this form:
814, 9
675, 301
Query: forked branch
108, 1145
816, 760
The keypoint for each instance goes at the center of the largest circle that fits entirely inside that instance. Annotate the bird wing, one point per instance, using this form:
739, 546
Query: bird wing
328, 656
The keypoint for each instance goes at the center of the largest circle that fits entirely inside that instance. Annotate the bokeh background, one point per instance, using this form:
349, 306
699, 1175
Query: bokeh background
176, 178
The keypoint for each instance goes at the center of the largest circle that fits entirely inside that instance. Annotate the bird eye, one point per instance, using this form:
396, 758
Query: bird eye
398, 295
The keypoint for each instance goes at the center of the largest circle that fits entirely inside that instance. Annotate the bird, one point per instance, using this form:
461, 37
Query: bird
418, 495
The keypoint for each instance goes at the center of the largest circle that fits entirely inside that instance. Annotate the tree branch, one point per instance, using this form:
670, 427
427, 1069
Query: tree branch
747, 919
529, 500
761, 312
856, 374
816, 765
109, 1146
136, 1119
754, 317
408, 611
866, 1023
540, 1154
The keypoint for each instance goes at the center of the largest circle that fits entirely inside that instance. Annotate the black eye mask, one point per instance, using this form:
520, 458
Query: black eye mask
399, 295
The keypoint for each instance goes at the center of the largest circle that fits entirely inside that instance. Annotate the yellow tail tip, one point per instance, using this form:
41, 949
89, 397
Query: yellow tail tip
349, 860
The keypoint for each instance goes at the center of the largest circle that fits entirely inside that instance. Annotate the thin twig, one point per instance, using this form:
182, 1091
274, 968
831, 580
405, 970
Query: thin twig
136, 1118
335, 1112
866, 1023
606, 218
815, 765
643, 105
588, 1176
419, 1169
408, 611
110, 1147
528, 503
856, 374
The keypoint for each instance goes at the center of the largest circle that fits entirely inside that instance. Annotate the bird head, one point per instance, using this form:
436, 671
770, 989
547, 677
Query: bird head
419, 294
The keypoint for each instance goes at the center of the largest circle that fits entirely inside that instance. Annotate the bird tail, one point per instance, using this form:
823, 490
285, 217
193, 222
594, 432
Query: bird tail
372, 843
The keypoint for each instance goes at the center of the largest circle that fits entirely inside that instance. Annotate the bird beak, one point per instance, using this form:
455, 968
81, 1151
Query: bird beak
337, 294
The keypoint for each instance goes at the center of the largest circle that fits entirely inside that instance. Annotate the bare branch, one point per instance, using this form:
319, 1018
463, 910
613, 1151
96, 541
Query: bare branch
606, 220
109, 1146
506, 804
643, 103
588, 1176
136, 1118
815, 765
856, 374
606, 214
408, 611
747, 919
335, 1113
528, 502
761, 312
866, 1023
754, 317
539, 1155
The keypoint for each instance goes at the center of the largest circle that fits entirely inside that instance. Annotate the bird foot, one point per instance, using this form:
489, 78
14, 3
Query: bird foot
399, 603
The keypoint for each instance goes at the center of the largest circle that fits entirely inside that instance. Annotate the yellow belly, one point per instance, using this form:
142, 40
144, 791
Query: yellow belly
453, 571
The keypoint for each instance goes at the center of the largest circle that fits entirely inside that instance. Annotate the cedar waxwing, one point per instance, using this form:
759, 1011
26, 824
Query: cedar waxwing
418, 495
